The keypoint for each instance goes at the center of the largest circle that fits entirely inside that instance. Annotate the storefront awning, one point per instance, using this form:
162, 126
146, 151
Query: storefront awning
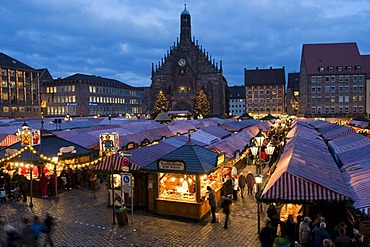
115, 163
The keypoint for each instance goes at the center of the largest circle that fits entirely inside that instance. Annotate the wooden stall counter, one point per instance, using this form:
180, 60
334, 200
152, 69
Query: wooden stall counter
192, 210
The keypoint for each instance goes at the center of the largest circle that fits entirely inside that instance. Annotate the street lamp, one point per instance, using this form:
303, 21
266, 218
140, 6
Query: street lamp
67, 118
256, 150
258, 179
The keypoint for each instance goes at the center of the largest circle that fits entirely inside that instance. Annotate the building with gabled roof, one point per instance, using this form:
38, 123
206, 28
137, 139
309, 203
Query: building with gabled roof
19, 90
332, 80
236, 100
184, 71
265, 91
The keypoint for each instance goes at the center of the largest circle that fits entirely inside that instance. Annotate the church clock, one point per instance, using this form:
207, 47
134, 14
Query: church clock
182, 62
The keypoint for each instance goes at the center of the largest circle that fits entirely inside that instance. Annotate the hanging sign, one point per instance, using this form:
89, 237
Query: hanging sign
109, 142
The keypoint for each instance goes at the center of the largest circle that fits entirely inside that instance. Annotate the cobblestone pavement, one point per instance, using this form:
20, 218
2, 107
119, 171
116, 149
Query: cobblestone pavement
84, 221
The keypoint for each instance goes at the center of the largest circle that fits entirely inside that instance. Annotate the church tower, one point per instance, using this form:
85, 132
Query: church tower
185, 70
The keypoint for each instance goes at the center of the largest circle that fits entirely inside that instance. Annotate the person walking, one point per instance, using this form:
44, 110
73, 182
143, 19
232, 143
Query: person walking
235, 187
44, 181
242, 182
304, 232
47, 229
226, 202
250, 179
27, 237
227, 186
36, 228
212, 203
267, 235
94, 183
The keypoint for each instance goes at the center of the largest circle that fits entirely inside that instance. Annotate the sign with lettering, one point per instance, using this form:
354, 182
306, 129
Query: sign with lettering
171, 165
10, 152
70, 149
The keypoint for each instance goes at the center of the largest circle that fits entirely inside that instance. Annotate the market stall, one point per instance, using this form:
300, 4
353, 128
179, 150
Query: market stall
178, 180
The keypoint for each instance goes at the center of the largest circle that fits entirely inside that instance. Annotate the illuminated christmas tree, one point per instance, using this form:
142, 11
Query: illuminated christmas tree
202, 107
162, 104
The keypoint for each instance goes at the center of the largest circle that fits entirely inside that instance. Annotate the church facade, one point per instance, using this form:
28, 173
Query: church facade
184, 71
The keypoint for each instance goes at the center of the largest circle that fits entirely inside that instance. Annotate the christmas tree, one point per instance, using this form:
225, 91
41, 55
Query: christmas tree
162, 104
202, 108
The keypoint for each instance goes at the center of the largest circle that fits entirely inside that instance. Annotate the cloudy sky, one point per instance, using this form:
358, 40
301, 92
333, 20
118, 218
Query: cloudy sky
120, 39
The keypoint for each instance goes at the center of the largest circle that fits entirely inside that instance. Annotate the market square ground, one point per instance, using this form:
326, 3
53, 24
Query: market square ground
85, 221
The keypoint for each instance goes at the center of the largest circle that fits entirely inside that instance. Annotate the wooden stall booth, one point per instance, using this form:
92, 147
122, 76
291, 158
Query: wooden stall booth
177, 182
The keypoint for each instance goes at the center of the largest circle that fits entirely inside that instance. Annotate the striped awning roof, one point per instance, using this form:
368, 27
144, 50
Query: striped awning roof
115, 163
293, 188
306, 172
8, 139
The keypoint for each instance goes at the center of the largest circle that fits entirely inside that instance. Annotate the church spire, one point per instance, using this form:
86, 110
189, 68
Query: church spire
185, 27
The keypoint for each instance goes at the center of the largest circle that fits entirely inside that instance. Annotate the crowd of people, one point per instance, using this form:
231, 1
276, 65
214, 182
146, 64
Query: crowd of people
308, 233
32, 233
16, 186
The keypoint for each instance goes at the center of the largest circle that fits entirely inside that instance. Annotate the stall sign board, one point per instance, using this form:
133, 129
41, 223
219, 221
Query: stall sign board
171, 165
109, 142
126, 182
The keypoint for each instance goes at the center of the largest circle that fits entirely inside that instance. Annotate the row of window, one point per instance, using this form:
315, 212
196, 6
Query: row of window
333, 78
7, 109
235, 106
262, 101
105, 110
61, 99
61, 110
111, 100
340, 68
333, 99
115, 91
236, 100
265, 91
12, 73
341, 89
340, 109
61, 89
268, 109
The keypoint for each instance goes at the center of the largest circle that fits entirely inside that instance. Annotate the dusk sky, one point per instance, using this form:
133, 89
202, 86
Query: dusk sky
120, 39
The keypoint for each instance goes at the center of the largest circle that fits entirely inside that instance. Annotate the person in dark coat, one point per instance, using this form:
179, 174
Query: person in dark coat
250, 179
342, 240
242, 183
267, 235
226, 202
228, 186
47, 229
23, 187
319, 234
212, 203
44, 181
290, 229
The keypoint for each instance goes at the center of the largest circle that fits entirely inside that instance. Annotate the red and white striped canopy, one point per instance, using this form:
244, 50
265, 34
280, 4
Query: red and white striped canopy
115, 163
8, 139
293, 188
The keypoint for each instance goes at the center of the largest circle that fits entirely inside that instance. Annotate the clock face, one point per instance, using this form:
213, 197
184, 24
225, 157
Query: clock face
182, 62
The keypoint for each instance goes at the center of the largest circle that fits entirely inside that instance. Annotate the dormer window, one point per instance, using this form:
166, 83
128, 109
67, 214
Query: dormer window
321, 69
331, 69
349, 68
358, 68
340, 68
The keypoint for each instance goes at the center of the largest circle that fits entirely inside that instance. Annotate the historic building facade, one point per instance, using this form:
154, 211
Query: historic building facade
186, 70
265, 91
19, 90
332, 80
90, 95
236, 100
292, 95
